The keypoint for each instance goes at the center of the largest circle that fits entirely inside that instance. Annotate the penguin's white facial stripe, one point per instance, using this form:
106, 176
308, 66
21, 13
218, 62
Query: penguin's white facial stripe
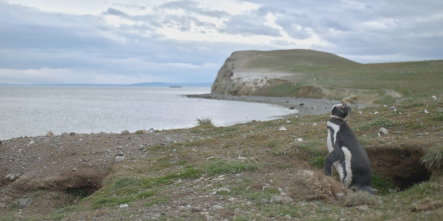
348, 156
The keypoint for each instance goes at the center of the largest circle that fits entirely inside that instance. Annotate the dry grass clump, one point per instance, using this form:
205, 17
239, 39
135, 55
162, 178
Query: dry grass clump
426, 204
359, 198
316, 186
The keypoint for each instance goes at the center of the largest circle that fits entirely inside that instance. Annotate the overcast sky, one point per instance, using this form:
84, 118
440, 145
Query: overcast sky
131, 41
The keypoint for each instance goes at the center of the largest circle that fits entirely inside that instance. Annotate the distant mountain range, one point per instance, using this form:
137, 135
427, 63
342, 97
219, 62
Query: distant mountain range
144, 84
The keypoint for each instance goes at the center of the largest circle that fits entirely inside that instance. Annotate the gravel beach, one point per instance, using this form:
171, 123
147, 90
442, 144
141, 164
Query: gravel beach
305, 106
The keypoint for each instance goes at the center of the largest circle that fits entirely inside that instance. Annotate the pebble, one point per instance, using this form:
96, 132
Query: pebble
383, 130
124, 205
10, 177
216, 207
299, 139
119, 158
276, 199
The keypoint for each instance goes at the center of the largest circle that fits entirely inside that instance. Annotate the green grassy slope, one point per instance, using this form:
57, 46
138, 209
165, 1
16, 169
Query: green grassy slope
411, 79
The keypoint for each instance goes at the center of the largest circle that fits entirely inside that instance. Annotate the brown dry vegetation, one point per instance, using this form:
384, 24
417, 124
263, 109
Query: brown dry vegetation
233, 173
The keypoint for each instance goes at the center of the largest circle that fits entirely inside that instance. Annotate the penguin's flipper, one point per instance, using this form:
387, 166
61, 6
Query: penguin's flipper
331, 158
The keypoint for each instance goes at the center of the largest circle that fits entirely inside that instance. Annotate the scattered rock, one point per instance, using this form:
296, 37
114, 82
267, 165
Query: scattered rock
50, 133
72, 134
151, 130
276, 199
216, 207
124, 205
393, 108
383, 131
125, 132
22, 203
32, 142
434, 97
119, 158
426, 111
287, 200
299, 139
11, 177
223, 189
282, 128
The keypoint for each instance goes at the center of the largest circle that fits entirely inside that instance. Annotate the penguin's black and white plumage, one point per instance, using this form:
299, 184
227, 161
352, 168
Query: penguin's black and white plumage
346, 153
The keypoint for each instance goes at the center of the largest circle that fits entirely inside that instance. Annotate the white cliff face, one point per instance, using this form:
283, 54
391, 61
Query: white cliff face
234, 79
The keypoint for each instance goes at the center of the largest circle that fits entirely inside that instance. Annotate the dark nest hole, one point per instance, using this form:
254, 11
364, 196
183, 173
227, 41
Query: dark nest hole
401, 167
81, 192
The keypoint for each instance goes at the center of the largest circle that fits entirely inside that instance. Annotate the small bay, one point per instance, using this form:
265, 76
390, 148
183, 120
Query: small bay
36, 110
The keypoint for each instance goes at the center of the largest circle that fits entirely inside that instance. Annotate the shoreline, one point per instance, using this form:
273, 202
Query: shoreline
305, 106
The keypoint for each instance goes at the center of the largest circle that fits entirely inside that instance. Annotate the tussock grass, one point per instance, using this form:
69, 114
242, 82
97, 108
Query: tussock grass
433, 157
205, 122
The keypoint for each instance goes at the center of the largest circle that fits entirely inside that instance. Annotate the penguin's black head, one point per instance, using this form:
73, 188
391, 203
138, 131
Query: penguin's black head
340, 111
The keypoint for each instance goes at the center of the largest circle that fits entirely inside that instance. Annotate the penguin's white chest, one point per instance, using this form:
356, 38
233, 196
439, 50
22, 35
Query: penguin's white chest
332, 135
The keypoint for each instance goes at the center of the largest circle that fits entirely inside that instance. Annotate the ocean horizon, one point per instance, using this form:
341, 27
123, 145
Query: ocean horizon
36, 110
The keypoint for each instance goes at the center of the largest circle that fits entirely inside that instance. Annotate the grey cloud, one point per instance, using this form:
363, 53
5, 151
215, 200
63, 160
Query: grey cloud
112, 11
249, 24
192, 7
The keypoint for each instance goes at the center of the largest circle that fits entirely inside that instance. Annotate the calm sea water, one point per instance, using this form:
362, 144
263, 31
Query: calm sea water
33, 111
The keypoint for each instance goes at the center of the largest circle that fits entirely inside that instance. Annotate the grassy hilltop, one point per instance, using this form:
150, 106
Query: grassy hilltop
340, 77
269, 170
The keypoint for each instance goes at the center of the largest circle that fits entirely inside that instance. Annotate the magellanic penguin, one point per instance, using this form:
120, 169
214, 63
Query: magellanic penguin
346, 153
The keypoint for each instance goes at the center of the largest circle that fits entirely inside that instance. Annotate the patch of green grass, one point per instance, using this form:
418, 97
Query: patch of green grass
317, 150
111, 201
230, 167
147, 194
129, 189
286, 89
375, 124
318, 161
381, 184
437, 116
386, 100
226, 129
